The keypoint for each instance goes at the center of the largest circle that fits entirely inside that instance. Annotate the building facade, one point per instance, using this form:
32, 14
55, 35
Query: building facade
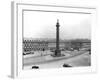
38, 45
31, 45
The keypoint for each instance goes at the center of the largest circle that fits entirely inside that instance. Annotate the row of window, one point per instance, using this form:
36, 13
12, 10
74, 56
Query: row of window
32, 41
34, 49
35, 44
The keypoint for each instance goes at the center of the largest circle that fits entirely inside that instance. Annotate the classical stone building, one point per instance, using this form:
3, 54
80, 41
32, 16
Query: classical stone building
31, 45
40, 45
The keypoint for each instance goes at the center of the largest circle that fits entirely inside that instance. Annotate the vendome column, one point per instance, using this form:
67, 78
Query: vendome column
57, 51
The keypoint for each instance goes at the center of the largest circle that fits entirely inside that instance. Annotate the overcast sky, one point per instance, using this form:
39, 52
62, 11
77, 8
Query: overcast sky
43, 25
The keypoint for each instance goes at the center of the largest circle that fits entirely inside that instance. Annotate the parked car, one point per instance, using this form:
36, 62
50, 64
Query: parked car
31, 52
28, 53
66, 65
24, 54
35, 67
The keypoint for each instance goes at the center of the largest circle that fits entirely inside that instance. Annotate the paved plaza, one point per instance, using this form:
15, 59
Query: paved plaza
45, 60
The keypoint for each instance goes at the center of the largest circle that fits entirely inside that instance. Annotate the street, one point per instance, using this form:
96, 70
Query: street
73, 58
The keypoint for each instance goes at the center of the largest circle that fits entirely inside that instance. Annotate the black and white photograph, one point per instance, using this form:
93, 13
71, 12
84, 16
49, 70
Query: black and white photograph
56, 39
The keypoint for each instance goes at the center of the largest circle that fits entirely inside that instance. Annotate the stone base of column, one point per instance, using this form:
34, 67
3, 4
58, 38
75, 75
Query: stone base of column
57, 53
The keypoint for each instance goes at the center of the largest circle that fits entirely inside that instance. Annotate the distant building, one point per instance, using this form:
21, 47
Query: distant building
31, 45
41, 45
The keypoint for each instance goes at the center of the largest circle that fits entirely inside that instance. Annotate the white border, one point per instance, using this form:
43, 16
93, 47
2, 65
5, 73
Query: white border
17, 22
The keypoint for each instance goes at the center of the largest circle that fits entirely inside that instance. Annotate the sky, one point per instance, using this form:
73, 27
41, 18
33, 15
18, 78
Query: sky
43, 25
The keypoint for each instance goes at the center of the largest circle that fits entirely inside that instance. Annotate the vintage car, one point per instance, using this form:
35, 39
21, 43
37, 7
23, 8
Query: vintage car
35, 67
66, 65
